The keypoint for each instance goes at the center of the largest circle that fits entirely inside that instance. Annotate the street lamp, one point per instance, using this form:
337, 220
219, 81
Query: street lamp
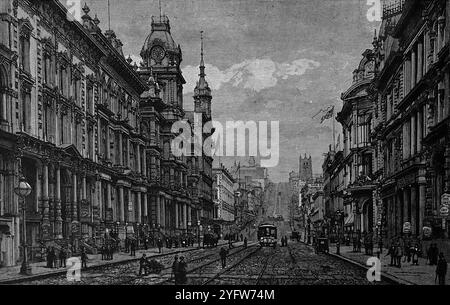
198, 232
23, 190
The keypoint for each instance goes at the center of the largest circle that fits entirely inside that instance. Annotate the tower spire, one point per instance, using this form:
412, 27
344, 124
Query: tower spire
109, 16
202, 61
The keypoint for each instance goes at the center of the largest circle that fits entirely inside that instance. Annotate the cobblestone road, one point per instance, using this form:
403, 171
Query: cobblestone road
293, 265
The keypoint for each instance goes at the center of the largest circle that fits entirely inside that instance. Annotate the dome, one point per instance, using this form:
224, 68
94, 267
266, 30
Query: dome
160, 35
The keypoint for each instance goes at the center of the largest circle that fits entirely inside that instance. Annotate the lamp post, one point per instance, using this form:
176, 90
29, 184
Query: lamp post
198, 232
23, 190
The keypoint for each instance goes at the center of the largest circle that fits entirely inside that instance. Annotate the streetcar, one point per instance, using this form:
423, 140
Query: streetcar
267, 235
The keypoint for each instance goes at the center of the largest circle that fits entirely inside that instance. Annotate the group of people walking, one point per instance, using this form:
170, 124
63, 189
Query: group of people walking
52, 258
107, 251
60, 260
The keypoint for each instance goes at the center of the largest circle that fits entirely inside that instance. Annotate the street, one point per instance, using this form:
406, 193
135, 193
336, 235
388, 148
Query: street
296, 264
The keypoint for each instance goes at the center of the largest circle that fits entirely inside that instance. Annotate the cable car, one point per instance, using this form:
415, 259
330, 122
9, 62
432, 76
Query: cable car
267, 235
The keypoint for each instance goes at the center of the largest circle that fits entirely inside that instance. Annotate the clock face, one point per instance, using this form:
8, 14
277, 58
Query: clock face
158, 53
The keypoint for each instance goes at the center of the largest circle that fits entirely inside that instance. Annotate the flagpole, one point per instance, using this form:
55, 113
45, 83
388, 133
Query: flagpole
334, 132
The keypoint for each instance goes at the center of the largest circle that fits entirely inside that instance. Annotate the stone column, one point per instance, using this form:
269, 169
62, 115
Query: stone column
419, 130
99, 190
120, 148
84, 194
139, 207
406, 205
163, 221
145, 205
419, 61
74, 196
108, 196
144, 162
108, 144
158, 210
176, 215
121, 205
185, 217
413, 134
413, 67
59, 221
413, 210
127, 206
189, 216
138, 151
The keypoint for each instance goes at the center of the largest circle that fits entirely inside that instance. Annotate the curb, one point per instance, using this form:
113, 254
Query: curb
385, 276
93, 267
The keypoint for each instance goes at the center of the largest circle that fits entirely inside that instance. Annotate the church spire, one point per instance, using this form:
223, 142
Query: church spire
202, 88
202, 61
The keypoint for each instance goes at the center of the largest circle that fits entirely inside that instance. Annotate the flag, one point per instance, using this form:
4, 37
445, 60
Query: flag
328, 115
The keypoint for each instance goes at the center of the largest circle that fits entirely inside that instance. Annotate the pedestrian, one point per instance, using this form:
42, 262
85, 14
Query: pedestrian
133, 247
146, 243
391, 252
355, 244
175, 269
399, 254
143, 264
182, 271
159, 243
111, 252
285, 241
103, 250
84, 258
441, 269
52, 258
62, 258
245, 242
47, 257
127, 244
230, 244
223, 257
415, 251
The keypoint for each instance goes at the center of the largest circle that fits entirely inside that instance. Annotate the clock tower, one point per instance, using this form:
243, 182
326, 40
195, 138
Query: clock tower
162, 58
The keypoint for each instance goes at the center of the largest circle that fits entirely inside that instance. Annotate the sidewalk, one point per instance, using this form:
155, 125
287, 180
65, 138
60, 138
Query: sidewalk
408, 274
10, 275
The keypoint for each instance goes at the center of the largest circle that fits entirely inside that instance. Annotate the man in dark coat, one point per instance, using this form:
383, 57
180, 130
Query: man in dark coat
182, 271
175, 269
441, 269
143, 264
223, 257
84, 258
53, 258
62, 258
159, 244
133, 247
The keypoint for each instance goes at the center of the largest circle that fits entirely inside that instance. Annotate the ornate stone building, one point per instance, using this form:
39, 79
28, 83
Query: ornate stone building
355, 118
89, 132
411, 114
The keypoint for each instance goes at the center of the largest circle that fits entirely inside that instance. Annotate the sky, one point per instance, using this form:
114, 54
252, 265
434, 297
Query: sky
266, 60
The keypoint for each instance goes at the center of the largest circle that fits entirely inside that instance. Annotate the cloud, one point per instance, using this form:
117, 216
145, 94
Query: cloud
254, 74
136, 59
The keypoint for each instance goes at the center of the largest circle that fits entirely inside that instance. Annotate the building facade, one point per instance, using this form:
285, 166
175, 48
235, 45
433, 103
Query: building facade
359, 188
90, 132
411, 116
